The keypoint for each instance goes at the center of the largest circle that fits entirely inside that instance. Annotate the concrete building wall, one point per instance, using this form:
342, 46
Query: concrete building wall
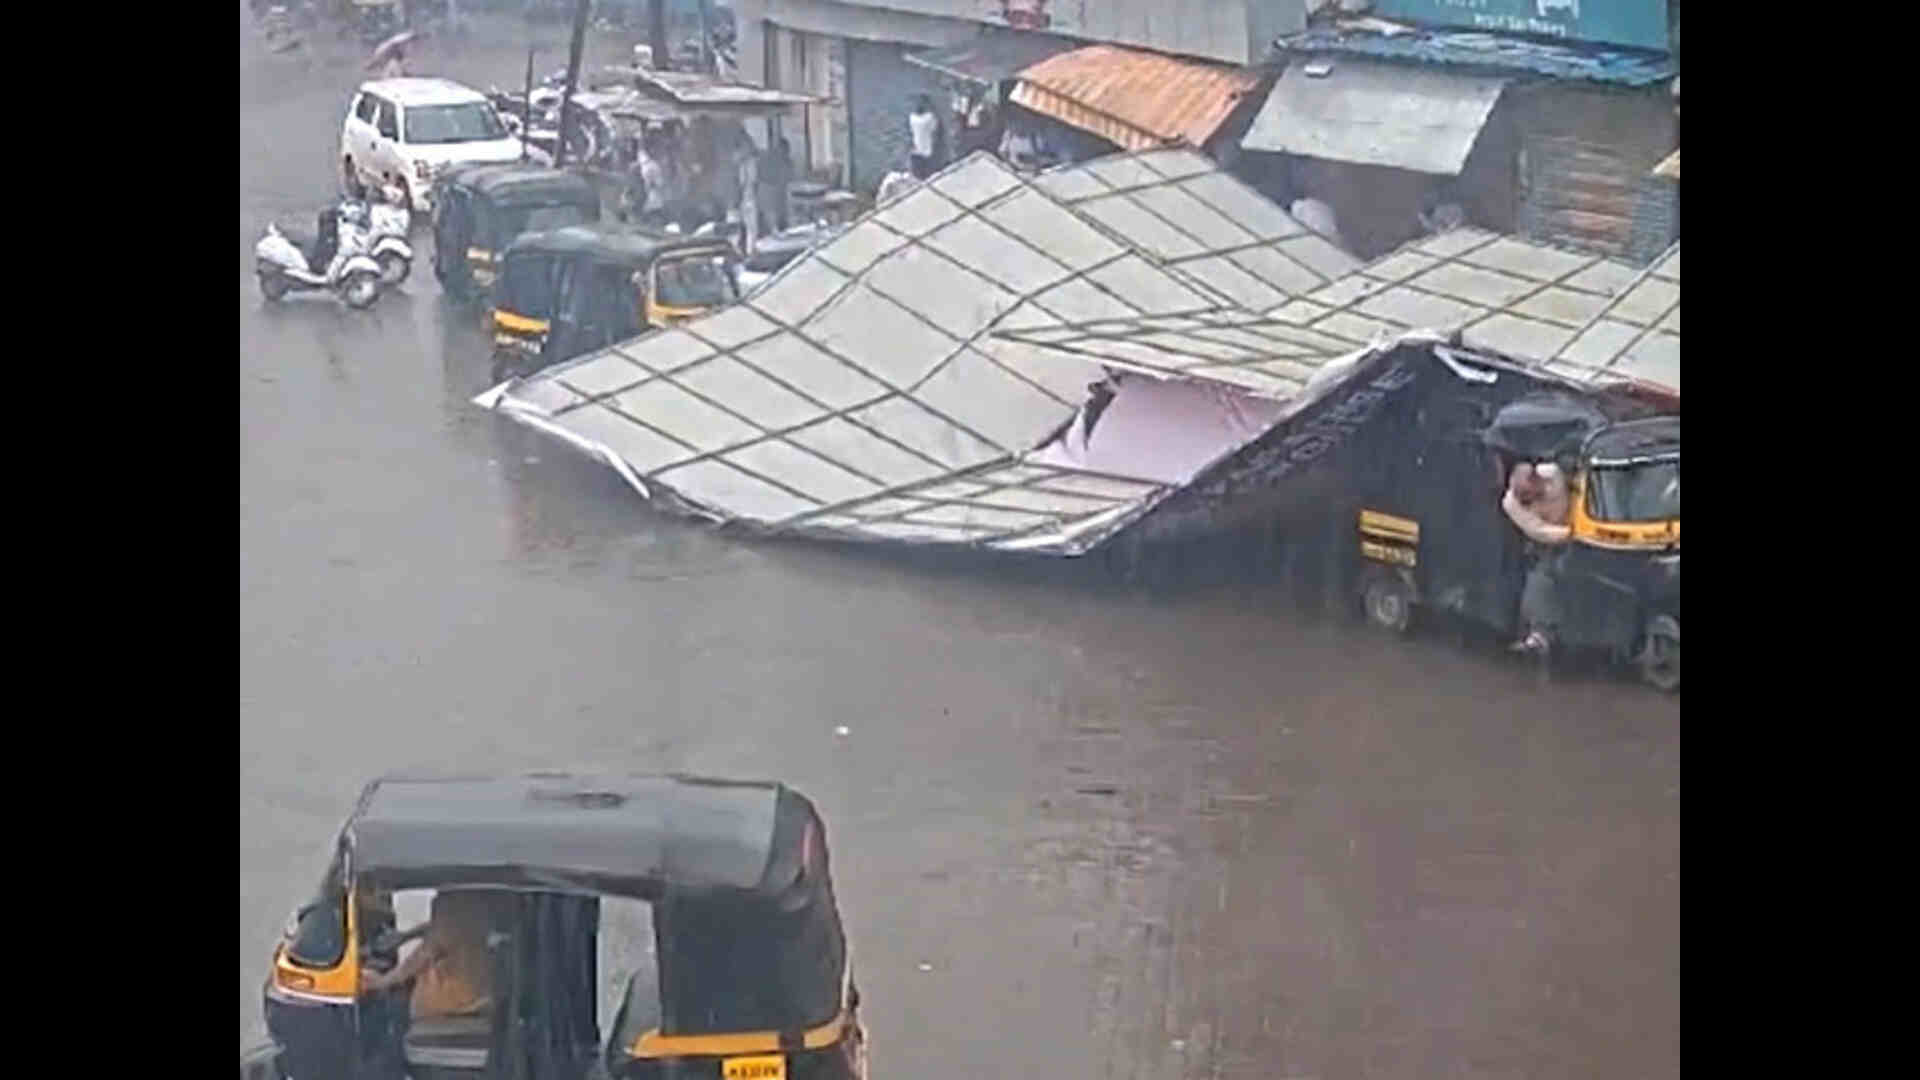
1231, 31
1584, 162
881, 87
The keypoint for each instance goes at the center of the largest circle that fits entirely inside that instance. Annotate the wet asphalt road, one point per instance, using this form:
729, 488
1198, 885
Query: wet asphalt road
1079, 833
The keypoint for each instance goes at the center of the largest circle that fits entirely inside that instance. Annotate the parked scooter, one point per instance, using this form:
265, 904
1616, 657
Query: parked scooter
390, 222
337, 257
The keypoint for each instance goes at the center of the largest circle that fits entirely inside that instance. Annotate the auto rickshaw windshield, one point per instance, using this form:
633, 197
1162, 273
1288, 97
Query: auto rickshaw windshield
317, 936
519, 220
695, 281
1648, 491
529, 286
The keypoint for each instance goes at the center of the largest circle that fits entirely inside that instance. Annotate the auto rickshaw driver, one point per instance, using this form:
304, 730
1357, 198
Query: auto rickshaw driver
450, 970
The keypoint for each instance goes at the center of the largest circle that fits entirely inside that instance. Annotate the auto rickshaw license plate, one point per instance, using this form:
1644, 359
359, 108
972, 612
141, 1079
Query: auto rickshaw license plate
765, 1067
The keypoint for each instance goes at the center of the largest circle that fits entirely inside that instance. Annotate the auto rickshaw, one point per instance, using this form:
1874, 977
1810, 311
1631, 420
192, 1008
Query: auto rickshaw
569, 291
478, 210
747, 976
1432, 534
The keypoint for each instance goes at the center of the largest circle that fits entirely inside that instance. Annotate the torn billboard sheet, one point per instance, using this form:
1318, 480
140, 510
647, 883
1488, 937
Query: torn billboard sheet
1189, 215
865, 391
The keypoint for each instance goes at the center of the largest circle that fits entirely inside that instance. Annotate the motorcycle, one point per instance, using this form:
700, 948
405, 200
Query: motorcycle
285, 260
390, 222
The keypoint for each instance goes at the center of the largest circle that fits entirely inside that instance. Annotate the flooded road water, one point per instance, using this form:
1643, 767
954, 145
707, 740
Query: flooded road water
1079, 832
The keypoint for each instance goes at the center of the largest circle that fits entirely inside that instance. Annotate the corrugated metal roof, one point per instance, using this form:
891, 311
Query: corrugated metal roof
691, 88
1372, 113
993, 56
1491, 52
1135, 99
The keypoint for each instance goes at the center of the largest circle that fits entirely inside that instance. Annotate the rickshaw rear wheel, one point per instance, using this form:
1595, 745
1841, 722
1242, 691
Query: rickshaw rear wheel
1659, 658
1388, 601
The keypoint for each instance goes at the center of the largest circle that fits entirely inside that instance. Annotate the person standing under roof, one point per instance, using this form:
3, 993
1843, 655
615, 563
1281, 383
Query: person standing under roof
1317, 215
923, 127
774, 177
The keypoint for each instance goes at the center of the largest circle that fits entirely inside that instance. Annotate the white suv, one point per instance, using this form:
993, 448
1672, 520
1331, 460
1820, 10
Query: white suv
407, 131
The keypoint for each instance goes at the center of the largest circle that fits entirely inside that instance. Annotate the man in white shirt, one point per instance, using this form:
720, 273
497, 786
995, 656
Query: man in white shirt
1318, 216
923, 125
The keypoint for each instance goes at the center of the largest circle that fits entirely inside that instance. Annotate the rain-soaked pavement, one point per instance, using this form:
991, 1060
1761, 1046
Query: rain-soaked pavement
1079, 833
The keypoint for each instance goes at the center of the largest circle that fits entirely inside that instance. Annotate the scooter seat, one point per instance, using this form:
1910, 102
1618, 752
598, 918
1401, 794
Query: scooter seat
449, 1042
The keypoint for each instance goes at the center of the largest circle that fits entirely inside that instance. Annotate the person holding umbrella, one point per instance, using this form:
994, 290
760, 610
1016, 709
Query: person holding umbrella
390, 56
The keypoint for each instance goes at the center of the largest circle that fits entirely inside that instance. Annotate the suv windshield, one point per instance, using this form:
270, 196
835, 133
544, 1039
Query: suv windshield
471, 122
1649, 492
699, 281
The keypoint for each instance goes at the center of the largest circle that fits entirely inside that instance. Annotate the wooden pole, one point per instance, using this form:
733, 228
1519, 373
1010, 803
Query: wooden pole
526, 108
578, 45
708, 63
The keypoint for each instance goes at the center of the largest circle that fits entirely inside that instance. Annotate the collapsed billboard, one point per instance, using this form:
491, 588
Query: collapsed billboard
1035, 364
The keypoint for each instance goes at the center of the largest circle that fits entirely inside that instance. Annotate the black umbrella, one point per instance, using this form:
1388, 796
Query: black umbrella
1545, 426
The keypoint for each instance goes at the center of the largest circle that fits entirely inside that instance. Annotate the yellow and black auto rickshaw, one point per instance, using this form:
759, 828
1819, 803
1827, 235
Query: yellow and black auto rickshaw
569, 291
478, 210
1432, 534
715, 895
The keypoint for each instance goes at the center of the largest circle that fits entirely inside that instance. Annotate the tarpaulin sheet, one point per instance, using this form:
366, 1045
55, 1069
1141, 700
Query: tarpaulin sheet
1164, 430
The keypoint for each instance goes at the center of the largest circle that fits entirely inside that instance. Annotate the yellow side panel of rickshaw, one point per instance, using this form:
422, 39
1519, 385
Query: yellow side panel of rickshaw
653, 1044
662, 315
518, 324
337, 985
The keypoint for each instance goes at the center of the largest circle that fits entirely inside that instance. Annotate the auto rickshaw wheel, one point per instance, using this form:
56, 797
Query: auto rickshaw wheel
1659, 658
1388, 600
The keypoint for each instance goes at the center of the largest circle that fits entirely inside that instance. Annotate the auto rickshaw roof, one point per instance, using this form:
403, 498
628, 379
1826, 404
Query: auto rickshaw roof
1634, 441
620, 834
521, 184
624, 245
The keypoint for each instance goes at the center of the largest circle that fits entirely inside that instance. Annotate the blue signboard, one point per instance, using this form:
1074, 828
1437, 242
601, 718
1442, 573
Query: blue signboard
1639, 23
